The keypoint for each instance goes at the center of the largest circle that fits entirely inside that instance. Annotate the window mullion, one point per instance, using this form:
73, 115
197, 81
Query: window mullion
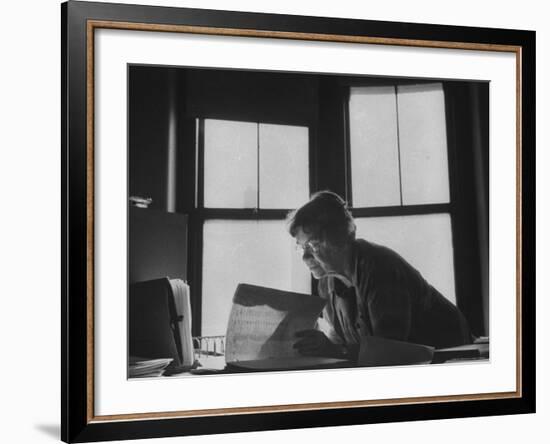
258, 166
398, 146
398, 210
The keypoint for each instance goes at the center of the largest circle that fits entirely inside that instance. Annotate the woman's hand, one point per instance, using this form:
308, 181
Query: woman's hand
316, 343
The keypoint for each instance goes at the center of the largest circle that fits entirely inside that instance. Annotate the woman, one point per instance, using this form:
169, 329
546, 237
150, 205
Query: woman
369, 289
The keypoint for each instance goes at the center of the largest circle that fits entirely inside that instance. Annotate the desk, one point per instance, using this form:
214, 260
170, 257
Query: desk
214, 363
217, 365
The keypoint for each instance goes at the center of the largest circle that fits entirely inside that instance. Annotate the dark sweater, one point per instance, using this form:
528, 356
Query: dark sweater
389, 298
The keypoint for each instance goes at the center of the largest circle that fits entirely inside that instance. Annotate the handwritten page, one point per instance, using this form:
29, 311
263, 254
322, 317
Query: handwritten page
263, 322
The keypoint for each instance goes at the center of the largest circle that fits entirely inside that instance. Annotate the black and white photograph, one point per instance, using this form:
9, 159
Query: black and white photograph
284, 221
232, 221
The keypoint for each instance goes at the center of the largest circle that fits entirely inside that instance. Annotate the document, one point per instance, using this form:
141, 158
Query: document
182, 302
263, 323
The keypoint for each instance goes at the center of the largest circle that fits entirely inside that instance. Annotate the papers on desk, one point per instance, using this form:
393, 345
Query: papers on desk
209, 365
147, 368
475, 351
182, 302
263, 323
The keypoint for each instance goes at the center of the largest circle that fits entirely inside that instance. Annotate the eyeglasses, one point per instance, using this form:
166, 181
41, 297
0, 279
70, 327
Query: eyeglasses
311, 246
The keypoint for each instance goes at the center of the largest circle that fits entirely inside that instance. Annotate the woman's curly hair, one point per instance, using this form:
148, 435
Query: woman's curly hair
326, 216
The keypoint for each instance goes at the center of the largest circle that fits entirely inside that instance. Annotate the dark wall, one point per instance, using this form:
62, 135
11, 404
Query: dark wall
150, 105
157, 245
468, 137
251, 96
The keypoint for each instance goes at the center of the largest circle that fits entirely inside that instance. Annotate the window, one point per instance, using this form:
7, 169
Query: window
253, 174
399, 175
255, 165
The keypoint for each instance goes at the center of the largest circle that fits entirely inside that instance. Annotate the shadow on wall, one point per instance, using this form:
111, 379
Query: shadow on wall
51, 430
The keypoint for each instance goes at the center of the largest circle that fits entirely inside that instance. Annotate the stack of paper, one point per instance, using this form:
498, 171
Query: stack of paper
181, 293
146, 368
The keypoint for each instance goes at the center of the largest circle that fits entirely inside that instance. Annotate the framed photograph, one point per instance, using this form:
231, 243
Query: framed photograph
276, 221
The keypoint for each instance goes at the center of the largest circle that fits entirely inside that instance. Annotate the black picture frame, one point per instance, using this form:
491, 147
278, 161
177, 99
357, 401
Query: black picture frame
78, 423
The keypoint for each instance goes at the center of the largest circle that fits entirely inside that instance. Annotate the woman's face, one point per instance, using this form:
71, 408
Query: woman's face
319, 256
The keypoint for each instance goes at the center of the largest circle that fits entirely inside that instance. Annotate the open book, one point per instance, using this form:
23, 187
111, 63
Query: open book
262, 327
